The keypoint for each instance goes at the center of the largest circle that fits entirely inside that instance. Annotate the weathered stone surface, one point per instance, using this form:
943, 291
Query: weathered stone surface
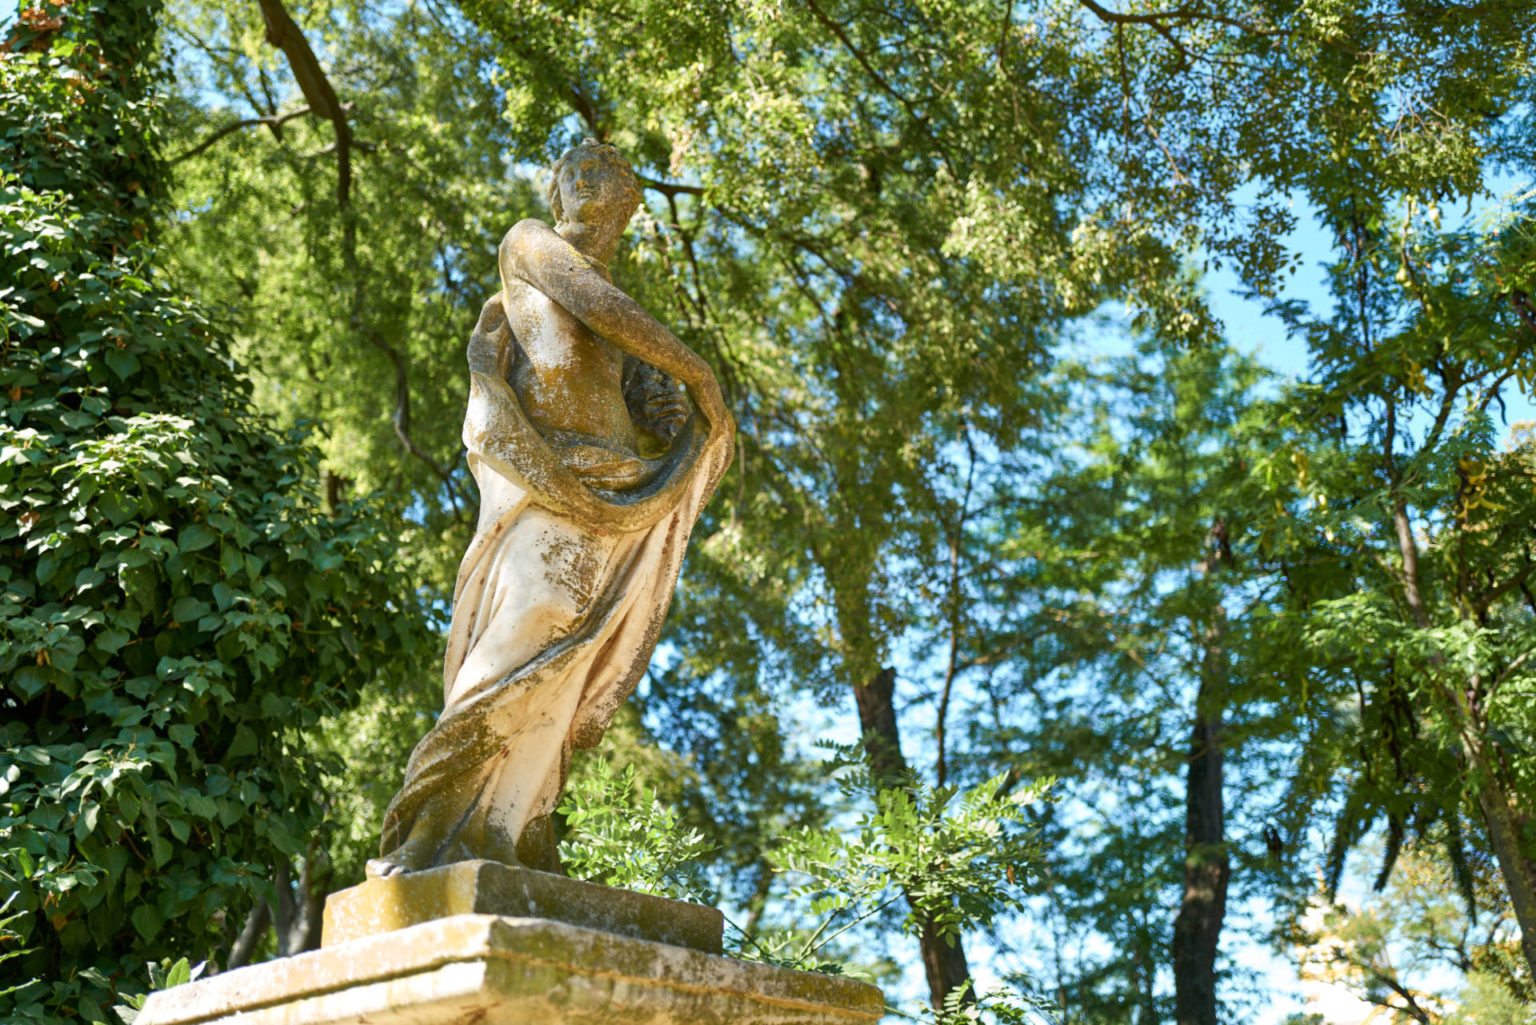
489, 888
593, 465
514, 971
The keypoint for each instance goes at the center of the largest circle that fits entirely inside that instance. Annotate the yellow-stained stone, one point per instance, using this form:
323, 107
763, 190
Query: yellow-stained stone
493, 970
490, 888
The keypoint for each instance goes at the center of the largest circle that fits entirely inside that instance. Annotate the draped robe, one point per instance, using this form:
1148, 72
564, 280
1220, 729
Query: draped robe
557, 608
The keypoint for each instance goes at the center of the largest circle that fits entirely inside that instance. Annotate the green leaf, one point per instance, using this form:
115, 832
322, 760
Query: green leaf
147, 920
127, 806
123, 363
88, 578
29, 681
180, 974
85, 822
89, 1009
189, 609
111, 641
243, 745
195, 537
160, 850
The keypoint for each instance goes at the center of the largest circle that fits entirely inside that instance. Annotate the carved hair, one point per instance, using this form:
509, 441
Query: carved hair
603, 152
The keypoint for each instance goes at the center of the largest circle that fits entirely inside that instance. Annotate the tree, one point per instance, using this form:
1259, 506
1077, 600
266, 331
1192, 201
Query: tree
179, 607
351, 284
1150, 685
881, 222
1423, 601
1388, 949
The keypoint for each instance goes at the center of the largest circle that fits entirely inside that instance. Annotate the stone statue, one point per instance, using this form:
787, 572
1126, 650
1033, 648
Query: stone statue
592, 470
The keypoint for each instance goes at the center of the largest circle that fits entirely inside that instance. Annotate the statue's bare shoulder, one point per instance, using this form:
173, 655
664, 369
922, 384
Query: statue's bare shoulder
529, 247
522, 234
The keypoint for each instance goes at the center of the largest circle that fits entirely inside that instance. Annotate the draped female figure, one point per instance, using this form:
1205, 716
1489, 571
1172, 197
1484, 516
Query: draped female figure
562, 592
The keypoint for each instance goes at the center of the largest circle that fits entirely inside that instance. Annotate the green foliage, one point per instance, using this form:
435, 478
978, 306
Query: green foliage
884, 224
10, 940
177, 608
364, 750
1395, 943
959, 857
1009, 1005
1128, 571
352, 316
1405, 520
617, 832
163, 975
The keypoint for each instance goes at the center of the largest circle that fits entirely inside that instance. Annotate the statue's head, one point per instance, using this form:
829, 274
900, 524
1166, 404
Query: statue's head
593, 184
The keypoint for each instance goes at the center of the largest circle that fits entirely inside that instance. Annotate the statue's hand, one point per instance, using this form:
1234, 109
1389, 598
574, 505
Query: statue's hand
666, 414
656, 402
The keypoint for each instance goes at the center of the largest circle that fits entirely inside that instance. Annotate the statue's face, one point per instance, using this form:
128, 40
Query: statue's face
594, 190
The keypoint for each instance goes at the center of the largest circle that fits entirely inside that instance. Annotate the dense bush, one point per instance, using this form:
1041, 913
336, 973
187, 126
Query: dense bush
177, 606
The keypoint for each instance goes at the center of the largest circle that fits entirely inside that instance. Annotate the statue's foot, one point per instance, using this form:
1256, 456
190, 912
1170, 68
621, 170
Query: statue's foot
411, 856
383, 868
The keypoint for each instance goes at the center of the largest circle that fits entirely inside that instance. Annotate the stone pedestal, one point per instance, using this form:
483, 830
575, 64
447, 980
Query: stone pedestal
498, 970
491, 888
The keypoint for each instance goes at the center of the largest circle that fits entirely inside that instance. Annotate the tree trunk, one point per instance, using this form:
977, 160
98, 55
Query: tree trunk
1144, 975
1505, 826
1197, 927
300, 911
943, 959
1503, 821
256, 925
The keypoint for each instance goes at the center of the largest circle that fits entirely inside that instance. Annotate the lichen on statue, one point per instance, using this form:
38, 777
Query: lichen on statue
562, 592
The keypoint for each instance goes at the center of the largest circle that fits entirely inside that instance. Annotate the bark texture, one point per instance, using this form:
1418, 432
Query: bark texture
1197, 928
1505, 828
1207, 868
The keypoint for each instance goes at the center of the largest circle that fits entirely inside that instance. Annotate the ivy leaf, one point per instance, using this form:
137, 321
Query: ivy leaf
195, 537
243, 745
124, 364
147, 920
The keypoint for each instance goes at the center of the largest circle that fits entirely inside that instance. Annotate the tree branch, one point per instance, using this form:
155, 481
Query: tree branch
669, 189
1413, 1008
587, 111
956, 537
1522, 304
919, 120
256, 925
1157, 20
402, 417
285, 34
272, 121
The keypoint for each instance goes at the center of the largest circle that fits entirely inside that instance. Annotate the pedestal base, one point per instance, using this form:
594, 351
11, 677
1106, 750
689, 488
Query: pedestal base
491, 888
493, 970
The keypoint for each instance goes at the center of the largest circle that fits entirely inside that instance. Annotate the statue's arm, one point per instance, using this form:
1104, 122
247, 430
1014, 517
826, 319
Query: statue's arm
534, 253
